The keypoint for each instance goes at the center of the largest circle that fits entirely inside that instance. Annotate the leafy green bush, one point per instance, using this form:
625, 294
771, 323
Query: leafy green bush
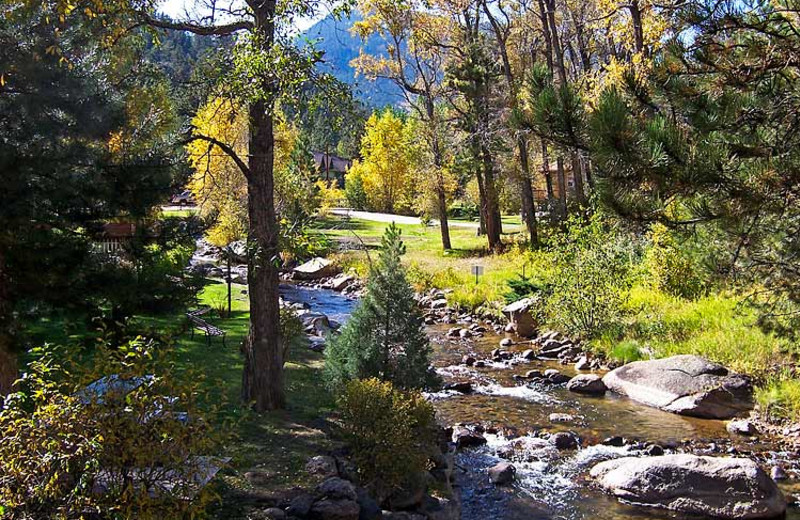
131, 448
385, 336
590, 280
392, 433
670, 268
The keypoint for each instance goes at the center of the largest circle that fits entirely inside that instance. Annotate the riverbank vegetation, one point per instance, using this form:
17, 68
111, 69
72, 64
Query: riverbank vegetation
632, 168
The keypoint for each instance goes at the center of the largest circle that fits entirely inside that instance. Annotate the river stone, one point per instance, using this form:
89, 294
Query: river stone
322, 465
564, 441
712, 486
439, 304
741, 427
506, 342
464, 437
274, 513
519, 315
369, 509
686, 385
778, 473
315, 269
465, 333
300, 505
590, 384
341, 281
338, 509
561, 417
528, 354
337, 488
462, 387
582, 364
502, 473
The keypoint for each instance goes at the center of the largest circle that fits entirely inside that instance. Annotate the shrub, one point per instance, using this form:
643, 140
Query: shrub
392, 433
132, 453
385, 336
670, 268
590, 279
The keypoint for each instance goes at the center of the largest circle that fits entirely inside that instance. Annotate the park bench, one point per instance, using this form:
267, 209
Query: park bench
196, 322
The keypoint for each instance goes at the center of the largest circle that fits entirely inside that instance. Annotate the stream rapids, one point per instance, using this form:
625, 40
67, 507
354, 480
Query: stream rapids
551, 484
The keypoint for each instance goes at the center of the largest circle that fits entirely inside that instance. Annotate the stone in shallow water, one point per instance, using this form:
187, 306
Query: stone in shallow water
564, 441
502, 473
741, 427
589, 384
686, 385
464, 437
713, 486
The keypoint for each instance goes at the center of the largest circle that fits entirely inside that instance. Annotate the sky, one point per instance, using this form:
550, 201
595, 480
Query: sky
176, 9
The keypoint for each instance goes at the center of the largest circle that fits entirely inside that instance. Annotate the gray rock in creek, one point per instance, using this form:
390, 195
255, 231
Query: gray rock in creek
711, 486
502, 473
588, 384
686, 385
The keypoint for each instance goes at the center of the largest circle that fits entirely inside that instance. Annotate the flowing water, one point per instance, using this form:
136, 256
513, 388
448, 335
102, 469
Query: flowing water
550, 484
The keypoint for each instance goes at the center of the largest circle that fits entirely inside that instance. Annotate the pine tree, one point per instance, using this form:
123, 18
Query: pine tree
384, 337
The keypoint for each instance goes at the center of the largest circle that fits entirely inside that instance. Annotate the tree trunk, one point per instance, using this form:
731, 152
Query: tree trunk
528, 202
546, 169
561, 178
262, 381
638, 29
494, 223
8, 360
577, 176
441, 195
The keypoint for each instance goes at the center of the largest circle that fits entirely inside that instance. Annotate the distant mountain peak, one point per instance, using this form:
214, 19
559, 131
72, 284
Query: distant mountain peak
340, 46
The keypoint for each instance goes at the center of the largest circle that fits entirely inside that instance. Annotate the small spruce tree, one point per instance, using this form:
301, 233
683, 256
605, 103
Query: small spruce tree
384, 338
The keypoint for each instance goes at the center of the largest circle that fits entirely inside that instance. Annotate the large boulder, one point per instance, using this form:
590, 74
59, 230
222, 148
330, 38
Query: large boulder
519, 315
686, 385
315, 269
709, 486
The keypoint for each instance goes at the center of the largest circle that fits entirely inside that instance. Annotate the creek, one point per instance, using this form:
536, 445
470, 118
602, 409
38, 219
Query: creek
551, 484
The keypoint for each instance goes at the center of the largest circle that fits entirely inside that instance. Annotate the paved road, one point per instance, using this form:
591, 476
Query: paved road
388, 217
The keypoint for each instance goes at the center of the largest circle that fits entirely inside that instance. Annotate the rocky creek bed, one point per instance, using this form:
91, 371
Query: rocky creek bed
525, 417
532, 440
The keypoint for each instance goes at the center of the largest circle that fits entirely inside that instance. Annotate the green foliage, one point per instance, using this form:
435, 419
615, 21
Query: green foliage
780, 398
670, 268
130, 451
354, 191
626, 352
385, 336
392, 433
590, 278
522, 287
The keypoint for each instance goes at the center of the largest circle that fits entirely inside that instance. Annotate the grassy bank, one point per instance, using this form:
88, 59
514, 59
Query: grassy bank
271, 449
651, 322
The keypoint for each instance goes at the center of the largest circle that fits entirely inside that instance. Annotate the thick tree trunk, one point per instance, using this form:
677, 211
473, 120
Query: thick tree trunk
262, 381
8, 360
638, 28
494, 223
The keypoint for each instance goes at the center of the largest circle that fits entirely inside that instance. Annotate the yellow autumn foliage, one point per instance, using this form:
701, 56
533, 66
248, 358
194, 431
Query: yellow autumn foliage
217, 184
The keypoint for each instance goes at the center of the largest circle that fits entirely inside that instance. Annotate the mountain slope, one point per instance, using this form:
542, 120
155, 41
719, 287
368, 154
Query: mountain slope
341, 47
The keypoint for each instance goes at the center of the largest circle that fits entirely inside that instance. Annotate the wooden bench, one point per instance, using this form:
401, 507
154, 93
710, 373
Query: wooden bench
196, 322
